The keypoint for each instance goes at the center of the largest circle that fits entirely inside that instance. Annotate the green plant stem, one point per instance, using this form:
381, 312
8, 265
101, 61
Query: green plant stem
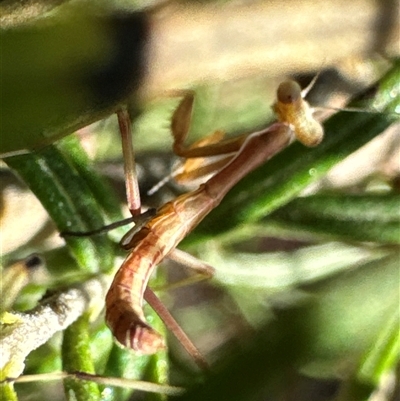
76, 356
367, 217
70, 203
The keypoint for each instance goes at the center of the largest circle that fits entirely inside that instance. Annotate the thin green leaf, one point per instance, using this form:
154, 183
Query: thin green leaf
352, 217
77, 357
377, 362
69, 201
122, 363
102, 192
349, 314
383, 356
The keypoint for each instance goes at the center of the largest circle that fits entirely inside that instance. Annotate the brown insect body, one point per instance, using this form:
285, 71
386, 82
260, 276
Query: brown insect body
148, 247
173, 221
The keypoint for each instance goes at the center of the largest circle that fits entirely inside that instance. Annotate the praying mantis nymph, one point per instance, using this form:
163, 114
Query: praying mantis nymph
173, 221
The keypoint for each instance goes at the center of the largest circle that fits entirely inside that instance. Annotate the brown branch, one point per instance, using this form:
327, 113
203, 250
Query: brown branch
21, 333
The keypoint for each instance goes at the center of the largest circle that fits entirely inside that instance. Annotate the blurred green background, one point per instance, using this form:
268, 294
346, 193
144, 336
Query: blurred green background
305, 301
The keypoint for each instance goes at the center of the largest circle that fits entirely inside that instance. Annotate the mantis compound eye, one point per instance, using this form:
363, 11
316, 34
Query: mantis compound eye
289, 92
